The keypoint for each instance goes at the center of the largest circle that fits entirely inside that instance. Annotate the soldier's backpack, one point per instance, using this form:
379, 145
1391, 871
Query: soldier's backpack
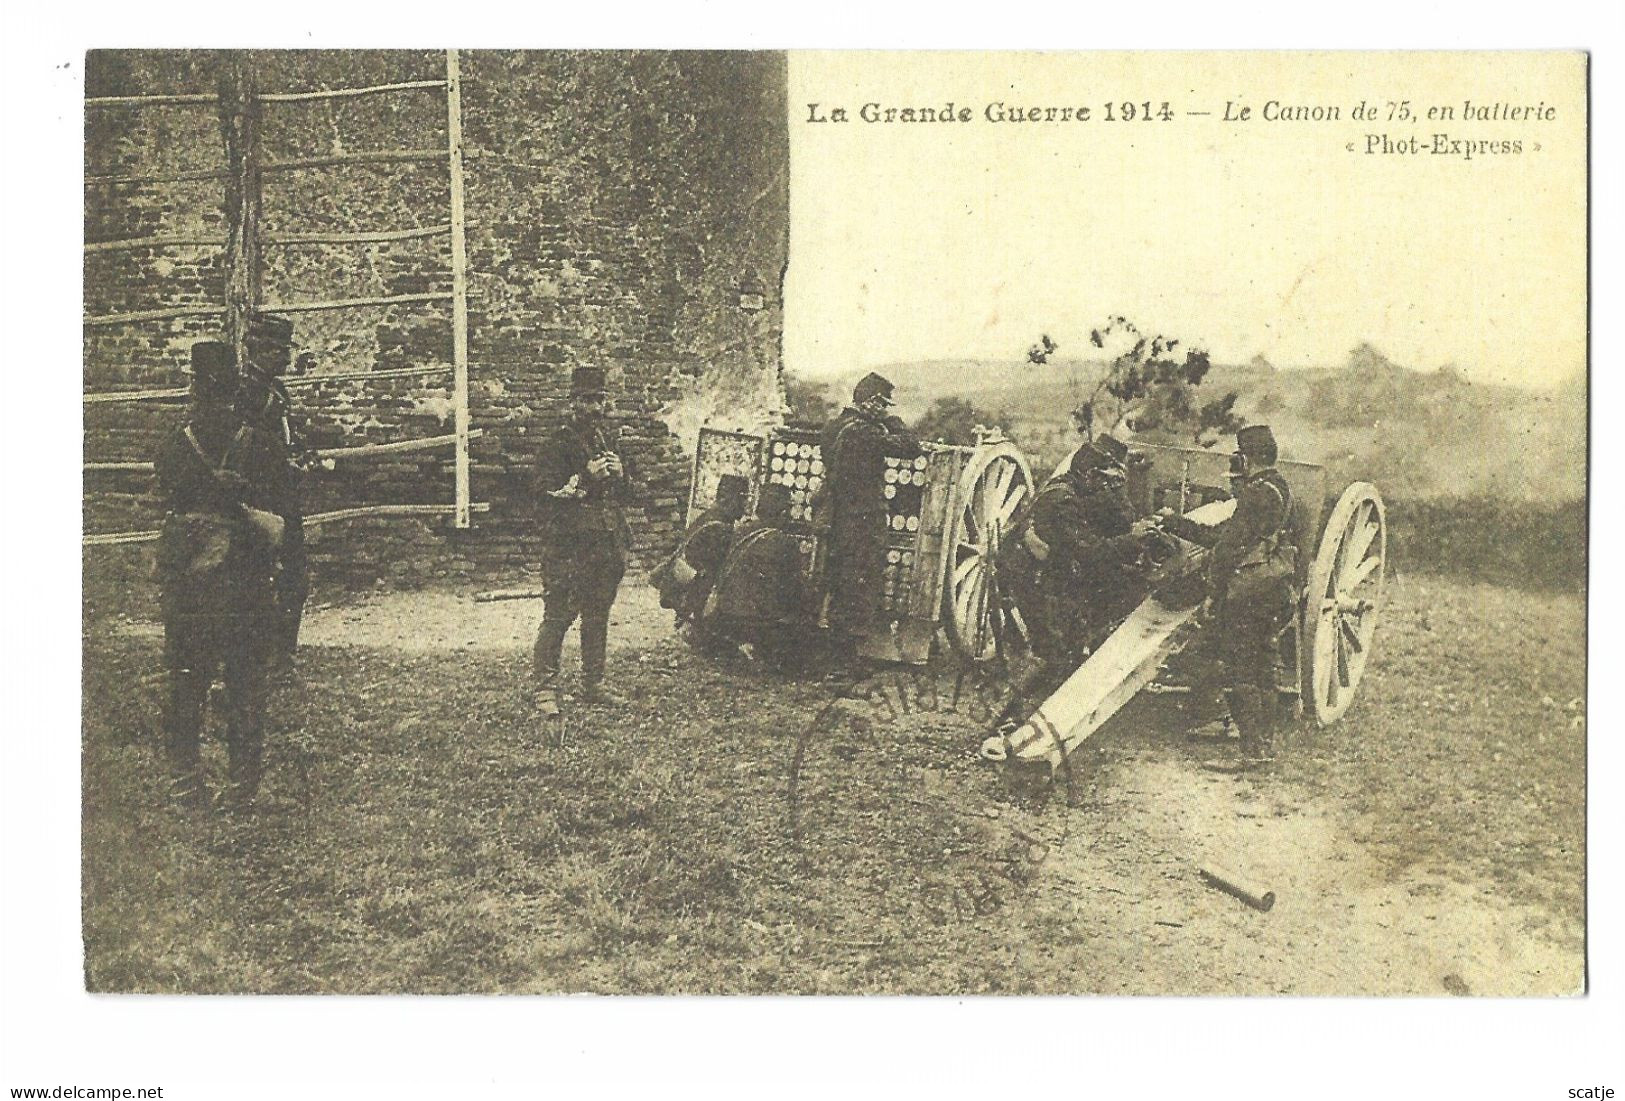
203, 548
1022, 522
1269, 573
672, 577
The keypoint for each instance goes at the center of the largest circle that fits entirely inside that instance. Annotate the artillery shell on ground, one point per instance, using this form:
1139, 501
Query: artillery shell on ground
1232, 884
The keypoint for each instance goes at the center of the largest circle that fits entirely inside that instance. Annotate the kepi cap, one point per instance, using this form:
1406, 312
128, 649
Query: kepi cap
587, 380
872, 385
214, 368
1254, 439
1111, 449
774, 501
270, 328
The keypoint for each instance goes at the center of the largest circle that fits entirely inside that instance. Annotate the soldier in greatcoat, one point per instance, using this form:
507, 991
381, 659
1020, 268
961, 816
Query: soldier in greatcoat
224, 487
703, 549
582, 483
1252, 576
264, 403
852, 511
758, 596
1071, 562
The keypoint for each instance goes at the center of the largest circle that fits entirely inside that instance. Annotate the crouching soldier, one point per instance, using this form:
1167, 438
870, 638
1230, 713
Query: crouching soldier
1071, 567
224, 489
759, 591
1251, 581
684, 579
581, 484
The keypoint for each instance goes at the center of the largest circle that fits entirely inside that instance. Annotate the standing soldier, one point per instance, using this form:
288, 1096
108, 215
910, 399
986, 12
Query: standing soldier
263, 403
581, 483
853, 514
224, 489
1251, 578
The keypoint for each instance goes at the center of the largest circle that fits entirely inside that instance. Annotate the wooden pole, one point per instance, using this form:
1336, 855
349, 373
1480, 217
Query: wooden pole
346, 93
363, 238
352, 303
99, 397
147, 101
239, 124
160, 177
357, 451
365, 156
179, 241
459, 282
152, 315
119, 538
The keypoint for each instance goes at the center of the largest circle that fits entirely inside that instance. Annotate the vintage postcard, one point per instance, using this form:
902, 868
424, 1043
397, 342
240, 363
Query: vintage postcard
663, 522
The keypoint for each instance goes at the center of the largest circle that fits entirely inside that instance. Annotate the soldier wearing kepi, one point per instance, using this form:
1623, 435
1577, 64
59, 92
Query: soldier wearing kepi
1070, 566
758, 592
263, 402
1251, 578
855, 446
224, 488
581, 484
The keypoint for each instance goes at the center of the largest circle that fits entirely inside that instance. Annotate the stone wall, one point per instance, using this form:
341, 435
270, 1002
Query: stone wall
624, 209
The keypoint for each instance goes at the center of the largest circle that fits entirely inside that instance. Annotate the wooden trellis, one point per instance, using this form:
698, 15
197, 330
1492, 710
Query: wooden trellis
240, 105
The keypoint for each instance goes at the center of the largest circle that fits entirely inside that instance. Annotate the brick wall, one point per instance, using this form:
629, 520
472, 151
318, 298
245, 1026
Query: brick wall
620, 208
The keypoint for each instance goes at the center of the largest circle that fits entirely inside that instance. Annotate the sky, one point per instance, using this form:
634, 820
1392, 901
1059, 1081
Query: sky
1249, 237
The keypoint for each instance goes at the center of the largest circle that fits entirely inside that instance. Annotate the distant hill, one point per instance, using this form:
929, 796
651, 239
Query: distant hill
1415, 434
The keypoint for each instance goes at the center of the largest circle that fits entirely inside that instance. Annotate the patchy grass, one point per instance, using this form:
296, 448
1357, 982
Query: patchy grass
423, 832
1464, 754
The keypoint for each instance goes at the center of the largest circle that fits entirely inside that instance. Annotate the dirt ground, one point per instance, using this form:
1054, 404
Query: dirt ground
1092, 889
1169, 816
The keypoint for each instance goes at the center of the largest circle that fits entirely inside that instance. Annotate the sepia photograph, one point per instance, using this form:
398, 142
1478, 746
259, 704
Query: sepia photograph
754, 522
729, 522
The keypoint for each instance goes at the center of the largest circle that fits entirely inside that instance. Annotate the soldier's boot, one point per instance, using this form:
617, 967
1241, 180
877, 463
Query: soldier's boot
546, 656
594, 646
595, 693
547, 695
1023, 697
1269, 722
183, 727
292, 619
1208, 717
1221, 729
187, 788
1247, 710
245, 757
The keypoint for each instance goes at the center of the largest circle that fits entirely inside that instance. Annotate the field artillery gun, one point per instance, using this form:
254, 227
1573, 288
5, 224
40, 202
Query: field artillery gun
947, 512
1324, 646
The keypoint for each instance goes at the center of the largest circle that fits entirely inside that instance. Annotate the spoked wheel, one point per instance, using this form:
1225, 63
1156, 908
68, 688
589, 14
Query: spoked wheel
1344, 596
993, 486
